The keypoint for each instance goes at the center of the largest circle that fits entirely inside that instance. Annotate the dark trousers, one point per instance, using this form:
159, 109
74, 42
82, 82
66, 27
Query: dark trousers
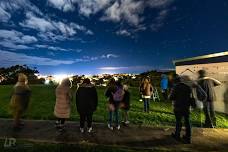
165, 94
210, 119
186, 115
146, 104
61, 120
86, 117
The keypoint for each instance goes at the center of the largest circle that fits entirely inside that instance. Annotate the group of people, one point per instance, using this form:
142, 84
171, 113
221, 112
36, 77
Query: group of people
118, 97
183, 98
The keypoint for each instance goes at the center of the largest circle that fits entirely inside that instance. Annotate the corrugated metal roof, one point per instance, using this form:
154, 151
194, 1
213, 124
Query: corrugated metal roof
201, 57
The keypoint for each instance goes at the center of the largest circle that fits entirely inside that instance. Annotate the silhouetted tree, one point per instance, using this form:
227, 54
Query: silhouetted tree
9, 75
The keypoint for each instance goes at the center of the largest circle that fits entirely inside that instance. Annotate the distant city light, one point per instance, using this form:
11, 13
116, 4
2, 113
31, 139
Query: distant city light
47, 82
59, 77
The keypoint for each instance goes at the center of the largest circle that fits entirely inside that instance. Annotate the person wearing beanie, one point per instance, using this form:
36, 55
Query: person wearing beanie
20, 100
86, 102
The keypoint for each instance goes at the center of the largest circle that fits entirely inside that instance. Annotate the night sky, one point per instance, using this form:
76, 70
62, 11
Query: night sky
109, 36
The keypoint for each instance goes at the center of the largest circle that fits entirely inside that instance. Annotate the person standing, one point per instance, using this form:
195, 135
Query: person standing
164, 86
20, 100
109, 94
208, 84
86, 102
182, 96
62, 104
146, 91
115, 94
125, 105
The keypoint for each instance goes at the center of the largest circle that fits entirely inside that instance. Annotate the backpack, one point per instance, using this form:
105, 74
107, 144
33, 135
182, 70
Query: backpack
119, 94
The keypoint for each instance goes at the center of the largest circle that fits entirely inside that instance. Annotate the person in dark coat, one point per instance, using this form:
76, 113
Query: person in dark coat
208, 84
125, 105
86, 102
181, 95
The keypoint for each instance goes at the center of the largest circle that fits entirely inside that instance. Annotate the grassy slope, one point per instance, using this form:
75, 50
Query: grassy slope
43, 101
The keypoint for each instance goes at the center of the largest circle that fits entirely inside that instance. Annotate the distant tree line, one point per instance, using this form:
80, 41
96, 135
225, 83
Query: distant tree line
9, 75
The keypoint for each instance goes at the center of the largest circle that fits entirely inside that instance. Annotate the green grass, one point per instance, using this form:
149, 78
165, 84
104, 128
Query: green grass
43, 101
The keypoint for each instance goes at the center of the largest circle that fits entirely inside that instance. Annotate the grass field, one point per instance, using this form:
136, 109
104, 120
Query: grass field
43, 101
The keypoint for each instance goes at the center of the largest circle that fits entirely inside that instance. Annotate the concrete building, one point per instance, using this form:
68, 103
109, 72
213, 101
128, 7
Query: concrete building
216, 66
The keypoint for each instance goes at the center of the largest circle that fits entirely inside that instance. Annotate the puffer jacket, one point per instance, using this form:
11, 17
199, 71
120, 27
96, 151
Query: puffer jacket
62, 105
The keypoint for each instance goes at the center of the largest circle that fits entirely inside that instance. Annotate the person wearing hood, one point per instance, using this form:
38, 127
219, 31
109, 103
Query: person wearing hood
62, 104
20, 100
164, 86
181, 95
208, 84
86, 102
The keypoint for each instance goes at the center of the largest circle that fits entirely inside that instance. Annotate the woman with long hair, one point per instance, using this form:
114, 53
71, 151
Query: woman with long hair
146, 91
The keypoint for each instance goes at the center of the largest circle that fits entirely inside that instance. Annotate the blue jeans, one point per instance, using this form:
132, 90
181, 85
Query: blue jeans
115, 113
146, 104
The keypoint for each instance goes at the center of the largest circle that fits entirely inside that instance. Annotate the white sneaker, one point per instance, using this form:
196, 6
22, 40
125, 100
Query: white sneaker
82, 130
110, 127
127, 122
90, 130
118, 127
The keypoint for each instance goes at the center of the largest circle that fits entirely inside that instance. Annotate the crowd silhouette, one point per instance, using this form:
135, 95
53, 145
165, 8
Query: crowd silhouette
179, 90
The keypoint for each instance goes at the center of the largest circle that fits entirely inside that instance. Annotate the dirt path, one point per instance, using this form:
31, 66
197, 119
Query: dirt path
133, 136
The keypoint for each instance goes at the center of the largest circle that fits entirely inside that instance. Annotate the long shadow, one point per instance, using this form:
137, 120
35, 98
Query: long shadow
166, 141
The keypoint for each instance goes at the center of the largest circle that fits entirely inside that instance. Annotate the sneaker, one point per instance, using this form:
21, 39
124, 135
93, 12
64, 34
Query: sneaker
90, 130
57, 123
118, 127
82, 130
127, 122
110, 127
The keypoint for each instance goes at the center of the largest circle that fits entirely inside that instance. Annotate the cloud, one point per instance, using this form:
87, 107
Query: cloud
159, 20
52, 30
64, 5
15, 40
55, 48
139, 67
11, 45
125, 10
7, 7
85, 7
10, 58
89, 7
123, 33
159, 3
94, 58
4, 16
107, 56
